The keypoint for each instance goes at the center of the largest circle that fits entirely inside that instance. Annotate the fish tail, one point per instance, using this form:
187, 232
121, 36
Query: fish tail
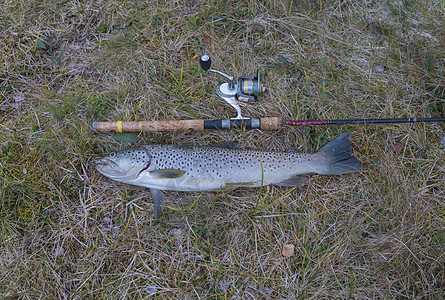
338, 158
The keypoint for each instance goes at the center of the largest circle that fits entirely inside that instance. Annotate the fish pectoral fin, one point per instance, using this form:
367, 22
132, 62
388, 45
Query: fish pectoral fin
293, 181
167, 173
158, 201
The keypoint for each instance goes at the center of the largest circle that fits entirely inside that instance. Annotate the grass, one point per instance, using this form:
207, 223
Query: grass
68, 232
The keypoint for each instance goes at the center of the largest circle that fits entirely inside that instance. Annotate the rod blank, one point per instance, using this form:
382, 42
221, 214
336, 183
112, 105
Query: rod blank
363, 121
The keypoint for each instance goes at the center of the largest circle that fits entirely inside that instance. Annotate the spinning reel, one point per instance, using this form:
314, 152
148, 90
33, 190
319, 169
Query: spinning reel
246, 89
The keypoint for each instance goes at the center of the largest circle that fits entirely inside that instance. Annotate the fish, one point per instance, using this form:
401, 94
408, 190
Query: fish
179, 168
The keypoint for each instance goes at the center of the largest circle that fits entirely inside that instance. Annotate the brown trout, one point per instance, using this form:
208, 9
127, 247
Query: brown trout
175, 168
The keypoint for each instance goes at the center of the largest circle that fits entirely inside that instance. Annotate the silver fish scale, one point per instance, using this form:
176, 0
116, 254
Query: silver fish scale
138, 156
224, 164
168, 167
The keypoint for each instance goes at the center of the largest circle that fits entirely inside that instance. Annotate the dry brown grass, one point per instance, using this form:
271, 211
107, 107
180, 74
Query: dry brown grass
68, 232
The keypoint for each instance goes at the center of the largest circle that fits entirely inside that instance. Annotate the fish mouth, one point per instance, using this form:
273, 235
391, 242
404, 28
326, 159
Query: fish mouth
110, 169
107, 166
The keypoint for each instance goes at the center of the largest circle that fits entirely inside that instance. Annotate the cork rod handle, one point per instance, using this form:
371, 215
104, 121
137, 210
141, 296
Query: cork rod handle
269, 123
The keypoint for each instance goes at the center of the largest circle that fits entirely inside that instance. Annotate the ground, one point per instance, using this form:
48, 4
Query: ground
69, 232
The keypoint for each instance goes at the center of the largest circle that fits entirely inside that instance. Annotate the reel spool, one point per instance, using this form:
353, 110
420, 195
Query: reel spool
246, 89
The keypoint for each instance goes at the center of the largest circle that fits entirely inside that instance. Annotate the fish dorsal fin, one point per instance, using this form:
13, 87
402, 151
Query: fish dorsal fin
292, 181
167, 173
225, 145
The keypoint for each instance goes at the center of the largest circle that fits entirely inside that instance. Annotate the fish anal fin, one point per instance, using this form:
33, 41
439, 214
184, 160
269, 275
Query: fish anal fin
292, 181
167, 173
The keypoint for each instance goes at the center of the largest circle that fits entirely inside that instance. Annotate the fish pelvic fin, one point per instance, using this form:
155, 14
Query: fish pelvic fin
158, 200
338, 158
229, 184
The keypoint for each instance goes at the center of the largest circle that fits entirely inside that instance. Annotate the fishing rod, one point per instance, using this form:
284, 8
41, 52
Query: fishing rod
246, 89
268, 123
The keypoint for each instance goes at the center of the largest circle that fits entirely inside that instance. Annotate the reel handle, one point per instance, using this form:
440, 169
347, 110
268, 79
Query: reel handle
205, 62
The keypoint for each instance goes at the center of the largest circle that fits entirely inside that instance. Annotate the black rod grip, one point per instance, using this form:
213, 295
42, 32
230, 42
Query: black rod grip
232, 123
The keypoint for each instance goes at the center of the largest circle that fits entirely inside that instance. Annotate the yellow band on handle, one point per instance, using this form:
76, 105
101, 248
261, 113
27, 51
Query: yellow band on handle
119, 126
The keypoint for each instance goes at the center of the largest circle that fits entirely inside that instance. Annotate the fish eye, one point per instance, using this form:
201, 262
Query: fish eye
112, 154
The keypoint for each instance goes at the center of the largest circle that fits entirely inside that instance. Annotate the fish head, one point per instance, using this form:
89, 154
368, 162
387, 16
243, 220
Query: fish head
124, 165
